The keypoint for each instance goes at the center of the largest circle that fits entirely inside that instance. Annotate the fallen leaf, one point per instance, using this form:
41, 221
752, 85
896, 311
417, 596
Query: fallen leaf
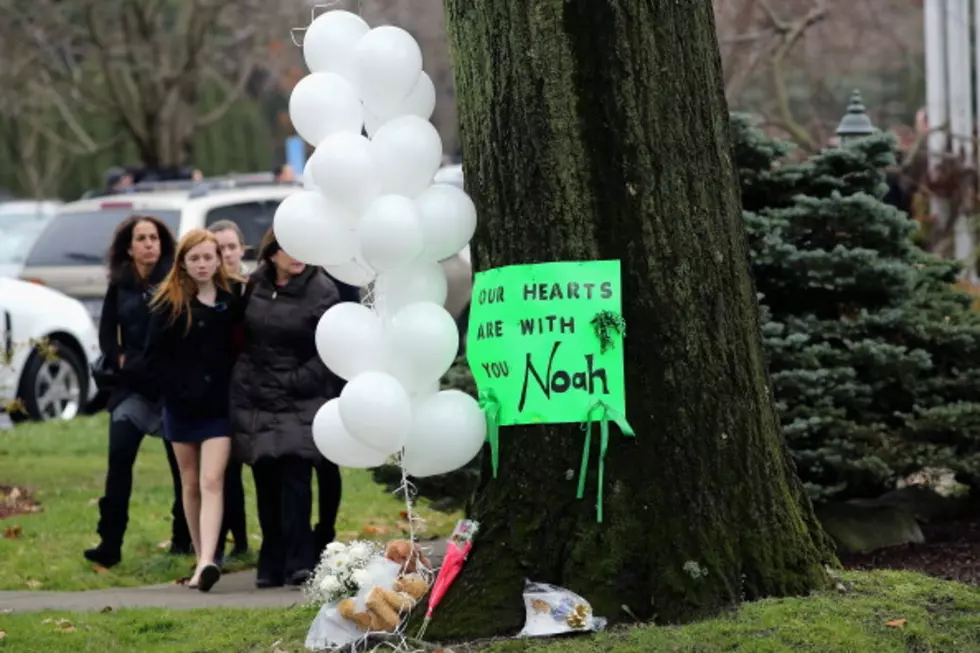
403, 514
93, 502
99, 569
897, 623
374, 530
3, 633
163, 546
12, 532
68, 628
34, 584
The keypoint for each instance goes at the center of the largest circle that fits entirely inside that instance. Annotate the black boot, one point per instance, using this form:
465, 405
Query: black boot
105, 555
124, 444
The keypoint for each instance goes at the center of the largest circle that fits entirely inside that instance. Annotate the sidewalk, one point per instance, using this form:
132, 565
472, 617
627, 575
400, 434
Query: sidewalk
235, 590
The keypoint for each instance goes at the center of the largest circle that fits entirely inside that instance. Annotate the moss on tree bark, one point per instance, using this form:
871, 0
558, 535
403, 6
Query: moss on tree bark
597, 129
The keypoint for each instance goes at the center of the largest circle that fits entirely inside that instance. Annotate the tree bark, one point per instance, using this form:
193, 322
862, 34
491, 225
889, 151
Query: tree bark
598, 129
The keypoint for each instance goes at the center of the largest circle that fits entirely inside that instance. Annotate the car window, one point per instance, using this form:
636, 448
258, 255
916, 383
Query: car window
253, 218
12, 220
83, 238
14, 244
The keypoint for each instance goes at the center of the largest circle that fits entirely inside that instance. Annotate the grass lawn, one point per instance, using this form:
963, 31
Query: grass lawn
63, 464
879, 612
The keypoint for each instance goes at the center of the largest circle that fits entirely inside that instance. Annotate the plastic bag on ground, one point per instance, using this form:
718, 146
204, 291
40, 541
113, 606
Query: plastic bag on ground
553, 610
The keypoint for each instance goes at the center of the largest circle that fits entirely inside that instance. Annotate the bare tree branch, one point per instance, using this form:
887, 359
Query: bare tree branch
790, 33
145, 63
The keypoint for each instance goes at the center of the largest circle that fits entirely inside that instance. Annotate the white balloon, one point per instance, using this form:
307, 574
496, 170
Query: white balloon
425, 392
423, 341
448, 431
390, 234
389, 63
422, 281
330, 41
345, 170
377, 411
350, 339
308, 182
322, 104
312, 229
355, 273
336, 444
408, 152
420, 102
448, 218
372, 123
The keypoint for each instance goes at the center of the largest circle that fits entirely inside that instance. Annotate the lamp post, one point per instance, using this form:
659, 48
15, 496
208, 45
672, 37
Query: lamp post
855, 124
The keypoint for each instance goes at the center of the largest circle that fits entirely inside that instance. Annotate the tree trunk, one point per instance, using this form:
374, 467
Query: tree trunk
598, 129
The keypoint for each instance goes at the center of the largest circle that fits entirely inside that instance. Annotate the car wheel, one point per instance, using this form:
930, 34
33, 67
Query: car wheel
54, 384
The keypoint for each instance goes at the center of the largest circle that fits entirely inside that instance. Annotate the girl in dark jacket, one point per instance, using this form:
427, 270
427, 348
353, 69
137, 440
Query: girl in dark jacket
278, 384
189, 345
231, 242
139, 257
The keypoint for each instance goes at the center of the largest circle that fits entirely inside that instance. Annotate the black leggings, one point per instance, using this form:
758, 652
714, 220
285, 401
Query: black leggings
233, 520
124, 445
284, 496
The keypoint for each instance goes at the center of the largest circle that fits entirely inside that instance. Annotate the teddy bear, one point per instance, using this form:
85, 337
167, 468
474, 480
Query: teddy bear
408, 555
385, 608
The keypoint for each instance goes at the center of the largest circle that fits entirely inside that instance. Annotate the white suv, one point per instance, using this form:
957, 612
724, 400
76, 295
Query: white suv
69, 254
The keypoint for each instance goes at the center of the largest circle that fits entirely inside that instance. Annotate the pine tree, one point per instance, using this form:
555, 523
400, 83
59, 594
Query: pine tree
874, 355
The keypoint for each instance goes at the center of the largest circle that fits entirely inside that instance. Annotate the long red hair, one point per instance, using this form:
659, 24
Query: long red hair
178, 287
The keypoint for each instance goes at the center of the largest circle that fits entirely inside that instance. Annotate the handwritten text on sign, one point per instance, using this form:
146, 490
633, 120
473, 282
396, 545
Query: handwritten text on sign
531, 340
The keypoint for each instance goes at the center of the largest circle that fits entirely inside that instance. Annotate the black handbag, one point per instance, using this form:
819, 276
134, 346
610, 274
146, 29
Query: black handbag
105, 373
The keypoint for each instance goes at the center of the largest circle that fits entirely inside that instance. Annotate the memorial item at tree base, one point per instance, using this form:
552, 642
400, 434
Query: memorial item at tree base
366, 591
553, 610
459, 545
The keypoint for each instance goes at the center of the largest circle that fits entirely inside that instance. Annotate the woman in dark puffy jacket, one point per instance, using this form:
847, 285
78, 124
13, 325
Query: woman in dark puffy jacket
139, 257
278, 385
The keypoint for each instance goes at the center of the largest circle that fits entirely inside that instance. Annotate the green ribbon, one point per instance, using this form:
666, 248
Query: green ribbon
490, 406
607, 413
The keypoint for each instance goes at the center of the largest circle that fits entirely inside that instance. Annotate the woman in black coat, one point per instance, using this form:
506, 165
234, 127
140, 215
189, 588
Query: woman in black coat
278, 385
139, 257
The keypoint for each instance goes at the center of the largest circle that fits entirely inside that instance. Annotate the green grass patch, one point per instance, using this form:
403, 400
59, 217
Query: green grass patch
927, 616
64, 463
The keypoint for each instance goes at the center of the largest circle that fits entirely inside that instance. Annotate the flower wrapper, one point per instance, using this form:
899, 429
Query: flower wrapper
329, 630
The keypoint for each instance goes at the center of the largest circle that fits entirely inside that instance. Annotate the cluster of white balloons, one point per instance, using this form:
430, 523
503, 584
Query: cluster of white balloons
370, 214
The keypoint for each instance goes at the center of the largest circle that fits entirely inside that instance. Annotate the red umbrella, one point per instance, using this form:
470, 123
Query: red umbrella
458, 547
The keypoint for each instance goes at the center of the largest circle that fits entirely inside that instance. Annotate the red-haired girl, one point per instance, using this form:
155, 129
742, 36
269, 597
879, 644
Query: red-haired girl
190, 348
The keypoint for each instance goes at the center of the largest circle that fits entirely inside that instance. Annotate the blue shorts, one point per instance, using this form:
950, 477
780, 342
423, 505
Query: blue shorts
194, 430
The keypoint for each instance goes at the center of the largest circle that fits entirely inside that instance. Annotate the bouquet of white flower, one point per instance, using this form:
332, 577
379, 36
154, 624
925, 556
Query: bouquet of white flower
341, 572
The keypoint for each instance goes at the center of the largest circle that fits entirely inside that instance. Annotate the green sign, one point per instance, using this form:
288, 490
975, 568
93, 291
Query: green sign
545, 340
